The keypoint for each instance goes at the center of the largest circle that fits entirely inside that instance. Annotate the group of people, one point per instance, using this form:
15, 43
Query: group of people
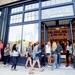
53, 53
55, 50
51, 56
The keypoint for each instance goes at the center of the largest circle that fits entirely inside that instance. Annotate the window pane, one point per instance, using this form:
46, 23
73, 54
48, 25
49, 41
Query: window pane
53, 2
15, 34
32, 6
16, 18
63, 22
18, 9
62, 1
30, 34
58, 12
31, 16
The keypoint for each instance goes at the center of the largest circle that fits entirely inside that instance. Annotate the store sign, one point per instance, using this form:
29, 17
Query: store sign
58, 12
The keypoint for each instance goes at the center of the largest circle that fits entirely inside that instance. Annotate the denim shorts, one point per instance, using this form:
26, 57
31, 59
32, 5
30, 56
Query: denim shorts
47, 54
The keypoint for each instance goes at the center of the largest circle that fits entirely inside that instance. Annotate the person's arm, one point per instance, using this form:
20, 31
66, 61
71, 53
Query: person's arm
5, 50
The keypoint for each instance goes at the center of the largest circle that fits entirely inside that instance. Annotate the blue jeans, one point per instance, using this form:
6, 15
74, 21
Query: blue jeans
14, 62
58, 59
55, 64
6, 59
74, 62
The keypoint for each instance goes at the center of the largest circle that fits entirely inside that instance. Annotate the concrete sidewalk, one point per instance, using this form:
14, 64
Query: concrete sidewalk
6, 70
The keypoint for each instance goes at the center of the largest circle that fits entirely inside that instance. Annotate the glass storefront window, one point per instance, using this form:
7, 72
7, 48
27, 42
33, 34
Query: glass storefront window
63, 22
17, 9
19, 36
16, 18
62, 1
15, 33
30, 32
58, 12
54, 2
32, 6
30, 16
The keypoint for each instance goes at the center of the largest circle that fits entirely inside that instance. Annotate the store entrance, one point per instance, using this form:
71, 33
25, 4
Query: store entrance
58, 31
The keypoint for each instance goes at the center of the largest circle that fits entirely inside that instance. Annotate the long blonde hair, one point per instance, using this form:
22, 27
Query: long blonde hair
54, 46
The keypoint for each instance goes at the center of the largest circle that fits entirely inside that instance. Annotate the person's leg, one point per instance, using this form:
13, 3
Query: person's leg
15, 63
34, 62
58, 59
5, 58
38, 63
42, 61
8, 59
30, 61
46, 60
67, 59
26, 62
54, 65
49, 59
54, 62
74, 62
32, 67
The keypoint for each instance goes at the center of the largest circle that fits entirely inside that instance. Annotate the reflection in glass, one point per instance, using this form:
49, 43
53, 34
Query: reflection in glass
23, 37
62, 11
17, 9
31, 16
54, 2
15, 34
16, 18
30, 32
32, 6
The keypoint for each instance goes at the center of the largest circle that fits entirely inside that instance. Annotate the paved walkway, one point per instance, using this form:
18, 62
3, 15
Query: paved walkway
5, 70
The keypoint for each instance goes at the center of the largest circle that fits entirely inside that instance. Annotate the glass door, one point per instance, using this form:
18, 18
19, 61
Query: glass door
43, 34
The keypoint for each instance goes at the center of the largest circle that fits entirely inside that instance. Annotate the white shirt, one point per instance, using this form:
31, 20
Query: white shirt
48, 49
15, 53
69, 48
